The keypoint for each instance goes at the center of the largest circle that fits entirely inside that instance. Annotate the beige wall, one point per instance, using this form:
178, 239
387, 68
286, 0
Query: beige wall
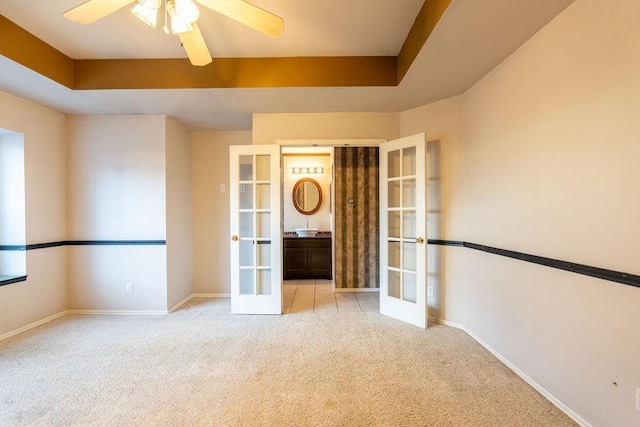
552, 144
210, 208
178, 209
268, 128
117, 191
45, 292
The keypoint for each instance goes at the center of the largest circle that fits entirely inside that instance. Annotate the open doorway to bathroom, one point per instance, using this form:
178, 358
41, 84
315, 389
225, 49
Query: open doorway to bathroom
330, 255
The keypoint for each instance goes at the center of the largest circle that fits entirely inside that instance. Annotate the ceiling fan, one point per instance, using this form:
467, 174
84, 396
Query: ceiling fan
183, 14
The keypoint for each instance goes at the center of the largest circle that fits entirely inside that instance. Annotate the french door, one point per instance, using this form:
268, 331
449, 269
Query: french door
256, 273
403, 239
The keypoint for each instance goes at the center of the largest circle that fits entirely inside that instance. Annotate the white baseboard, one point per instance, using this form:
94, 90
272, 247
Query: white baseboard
32, 325
181, 303
354, 290
210, 295
121, 312
543, 391
110, 312
446, 322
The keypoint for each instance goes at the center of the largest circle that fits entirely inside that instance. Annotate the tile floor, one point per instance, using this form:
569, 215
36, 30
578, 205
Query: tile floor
317, 296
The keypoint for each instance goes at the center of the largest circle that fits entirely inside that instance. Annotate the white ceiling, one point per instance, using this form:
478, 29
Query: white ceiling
470, 40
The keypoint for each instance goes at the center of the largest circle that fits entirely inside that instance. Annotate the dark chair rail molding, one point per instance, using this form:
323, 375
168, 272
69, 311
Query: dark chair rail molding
600, 273
16, 279
82, 243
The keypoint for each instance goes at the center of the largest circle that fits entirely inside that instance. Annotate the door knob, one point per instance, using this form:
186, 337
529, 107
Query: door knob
420, 240
234, 238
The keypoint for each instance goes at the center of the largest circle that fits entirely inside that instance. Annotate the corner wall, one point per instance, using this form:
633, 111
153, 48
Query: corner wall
443, 127
210, 209
178, 212
117, 191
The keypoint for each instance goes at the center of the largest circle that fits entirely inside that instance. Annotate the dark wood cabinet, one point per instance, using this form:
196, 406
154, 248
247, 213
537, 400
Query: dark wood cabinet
307, 258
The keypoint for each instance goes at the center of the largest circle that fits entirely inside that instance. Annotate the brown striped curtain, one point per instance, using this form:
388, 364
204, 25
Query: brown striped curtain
357, 219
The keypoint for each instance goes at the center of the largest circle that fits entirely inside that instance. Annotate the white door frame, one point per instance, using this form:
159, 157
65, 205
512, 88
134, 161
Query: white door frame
418, 316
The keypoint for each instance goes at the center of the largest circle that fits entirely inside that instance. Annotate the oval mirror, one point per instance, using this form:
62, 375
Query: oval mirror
307, 196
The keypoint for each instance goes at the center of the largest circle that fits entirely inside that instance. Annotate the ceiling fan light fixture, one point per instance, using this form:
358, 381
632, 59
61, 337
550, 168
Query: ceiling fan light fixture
187, 11
147, 11
178, 27
178, 24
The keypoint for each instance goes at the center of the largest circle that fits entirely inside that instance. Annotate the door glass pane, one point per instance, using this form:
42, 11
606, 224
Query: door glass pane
263, 167
246, 168
246, 253
394, 254
263, 196
409, 256
246, 224
409, 161
394, 284
264, 282
409, 224
409, 193
264, 224
394, 194
247, 282
394, 224
246, 196
394, 164
409, 287
264, 254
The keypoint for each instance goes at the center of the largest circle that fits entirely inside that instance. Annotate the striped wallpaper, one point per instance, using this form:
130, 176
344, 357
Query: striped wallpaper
357, 224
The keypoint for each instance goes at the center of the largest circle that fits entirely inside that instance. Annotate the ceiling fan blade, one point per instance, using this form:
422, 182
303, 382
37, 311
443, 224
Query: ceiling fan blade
93, 10
247, 14
195, 46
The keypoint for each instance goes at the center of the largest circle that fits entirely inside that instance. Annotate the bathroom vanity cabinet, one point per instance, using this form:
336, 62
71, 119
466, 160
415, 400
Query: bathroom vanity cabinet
307, 258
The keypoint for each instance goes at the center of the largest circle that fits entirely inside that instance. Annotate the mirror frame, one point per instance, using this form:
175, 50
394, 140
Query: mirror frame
295, 189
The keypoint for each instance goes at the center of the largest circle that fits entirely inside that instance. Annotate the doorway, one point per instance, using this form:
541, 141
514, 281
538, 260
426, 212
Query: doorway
348, 216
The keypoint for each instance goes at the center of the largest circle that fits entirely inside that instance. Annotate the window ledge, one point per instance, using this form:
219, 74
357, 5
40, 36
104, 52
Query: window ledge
8, 280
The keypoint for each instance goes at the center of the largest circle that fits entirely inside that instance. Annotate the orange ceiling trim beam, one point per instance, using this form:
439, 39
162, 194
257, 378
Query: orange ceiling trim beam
235, 73
24, 48
426, 21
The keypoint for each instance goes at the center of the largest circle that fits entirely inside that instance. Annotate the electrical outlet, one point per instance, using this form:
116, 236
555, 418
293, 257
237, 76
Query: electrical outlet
429, 291
129, 287
638, 399
222, 188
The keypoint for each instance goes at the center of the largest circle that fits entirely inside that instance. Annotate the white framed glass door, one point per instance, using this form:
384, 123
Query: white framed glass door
403, 239
256, 275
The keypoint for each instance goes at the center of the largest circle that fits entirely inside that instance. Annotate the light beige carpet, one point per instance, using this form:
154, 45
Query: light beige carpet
203, 366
